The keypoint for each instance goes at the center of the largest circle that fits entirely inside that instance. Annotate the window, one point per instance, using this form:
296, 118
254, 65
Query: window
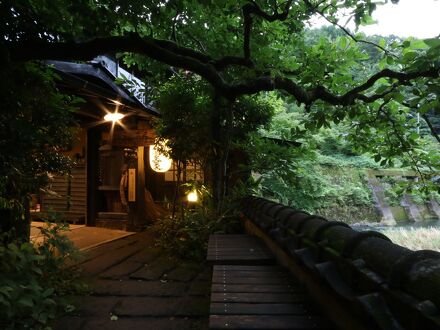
191, 171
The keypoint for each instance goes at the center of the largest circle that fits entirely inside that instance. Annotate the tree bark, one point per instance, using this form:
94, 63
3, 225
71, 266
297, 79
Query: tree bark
221, 137
177, 188
216, 162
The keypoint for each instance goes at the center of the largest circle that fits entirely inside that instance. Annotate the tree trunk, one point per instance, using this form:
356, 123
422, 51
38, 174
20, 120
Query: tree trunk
177, 188
16, 222
221, 129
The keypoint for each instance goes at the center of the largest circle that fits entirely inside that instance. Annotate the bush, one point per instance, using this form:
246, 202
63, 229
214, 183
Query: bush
35, 280
187, 235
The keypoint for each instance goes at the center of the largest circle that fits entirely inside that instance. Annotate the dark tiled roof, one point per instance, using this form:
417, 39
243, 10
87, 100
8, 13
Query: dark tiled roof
95, 80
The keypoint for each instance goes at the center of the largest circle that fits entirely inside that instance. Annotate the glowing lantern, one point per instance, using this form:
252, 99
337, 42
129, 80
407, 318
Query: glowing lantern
158, 161
192, 196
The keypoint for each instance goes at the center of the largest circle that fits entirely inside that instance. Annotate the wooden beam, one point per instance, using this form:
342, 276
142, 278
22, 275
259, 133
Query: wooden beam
92, 155
140, 189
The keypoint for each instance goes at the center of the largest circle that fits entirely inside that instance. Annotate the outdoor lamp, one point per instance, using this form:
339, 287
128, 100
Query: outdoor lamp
113, 116
159, 162
192, 196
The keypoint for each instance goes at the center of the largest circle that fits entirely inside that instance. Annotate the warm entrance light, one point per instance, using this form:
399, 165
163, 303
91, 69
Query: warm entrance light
113, 116
158, 161
192, 196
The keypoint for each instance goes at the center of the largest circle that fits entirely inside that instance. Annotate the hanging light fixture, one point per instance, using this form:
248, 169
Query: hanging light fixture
159, 162
113, 116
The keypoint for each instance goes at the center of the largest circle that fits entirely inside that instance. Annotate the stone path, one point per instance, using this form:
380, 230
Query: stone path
134, 285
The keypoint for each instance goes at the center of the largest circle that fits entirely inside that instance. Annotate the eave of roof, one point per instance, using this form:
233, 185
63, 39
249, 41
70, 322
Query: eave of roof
74, 75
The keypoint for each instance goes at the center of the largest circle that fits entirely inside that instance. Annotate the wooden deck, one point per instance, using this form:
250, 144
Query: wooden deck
246, 293
238, 249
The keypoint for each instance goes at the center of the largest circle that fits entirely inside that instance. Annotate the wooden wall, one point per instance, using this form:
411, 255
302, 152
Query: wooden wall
69, 195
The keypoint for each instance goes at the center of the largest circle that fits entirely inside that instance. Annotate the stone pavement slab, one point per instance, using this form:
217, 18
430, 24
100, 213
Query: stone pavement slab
184, 272
134, 323
194, 306
140, 288
199, 288
171, 323
134, 285
155, 270
148, 306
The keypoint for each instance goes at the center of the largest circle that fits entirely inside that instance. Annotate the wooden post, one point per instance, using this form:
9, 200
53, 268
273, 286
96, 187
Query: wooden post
93, 136
140, 189
136, 209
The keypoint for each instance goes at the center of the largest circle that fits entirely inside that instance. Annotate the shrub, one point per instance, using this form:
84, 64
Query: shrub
35, 280
187, 235
415, 238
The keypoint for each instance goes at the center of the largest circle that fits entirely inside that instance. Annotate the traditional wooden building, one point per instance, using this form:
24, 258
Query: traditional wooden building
112, 183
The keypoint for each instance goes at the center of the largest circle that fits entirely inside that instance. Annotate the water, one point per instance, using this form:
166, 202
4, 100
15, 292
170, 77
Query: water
406, 225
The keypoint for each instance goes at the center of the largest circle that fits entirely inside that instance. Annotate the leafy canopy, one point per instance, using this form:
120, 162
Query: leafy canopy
247, 47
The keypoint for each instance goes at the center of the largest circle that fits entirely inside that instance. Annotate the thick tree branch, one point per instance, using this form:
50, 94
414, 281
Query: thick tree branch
219, 64
308, 96
431, 127
171, 54
252, 8
163, 51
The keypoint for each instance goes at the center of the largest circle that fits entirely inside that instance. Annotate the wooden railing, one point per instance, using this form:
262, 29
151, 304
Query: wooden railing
360, 279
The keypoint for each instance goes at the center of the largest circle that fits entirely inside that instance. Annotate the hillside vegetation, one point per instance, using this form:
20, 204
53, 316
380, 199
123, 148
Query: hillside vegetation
326, 172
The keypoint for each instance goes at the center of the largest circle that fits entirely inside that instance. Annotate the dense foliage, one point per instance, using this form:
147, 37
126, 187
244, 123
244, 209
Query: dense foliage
324, 172
35, 125
187, 235
243, 48
198, 127
35, 280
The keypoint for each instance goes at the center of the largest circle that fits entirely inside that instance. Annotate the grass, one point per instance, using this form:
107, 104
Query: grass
415, 238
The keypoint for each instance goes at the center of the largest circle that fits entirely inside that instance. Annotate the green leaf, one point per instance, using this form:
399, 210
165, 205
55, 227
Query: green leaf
409, 56
414, 136
418, 44
432, 42
343, 42
48, 292
26, 301
390, 60
434, 51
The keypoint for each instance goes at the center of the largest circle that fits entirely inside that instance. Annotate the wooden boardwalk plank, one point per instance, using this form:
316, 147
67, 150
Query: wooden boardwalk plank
256, 297
250, 268
238, 249
250, 280
255, 288
257, 309
264, 322
241, 273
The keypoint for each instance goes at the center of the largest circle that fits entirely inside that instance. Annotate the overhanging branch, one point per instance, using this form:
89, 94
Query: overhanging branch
171, 54
252, 8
